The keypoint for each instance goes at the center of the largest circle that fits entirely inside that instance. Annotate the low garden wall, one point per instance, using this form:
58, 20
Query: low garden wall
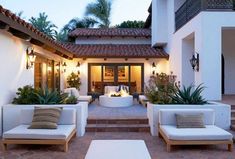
222, 114
11, 115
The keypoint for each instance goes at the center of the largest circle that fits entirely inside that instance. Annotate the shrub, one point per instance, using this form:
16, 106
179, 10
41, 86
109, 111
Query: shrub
159, 88
25, 95
71, 100
189, 95
73, 80
46, 96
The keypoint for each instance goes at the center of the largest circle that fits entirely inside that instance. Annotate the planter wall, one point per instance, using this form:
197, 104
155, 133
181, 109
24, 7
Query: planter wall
11, 115
222, 114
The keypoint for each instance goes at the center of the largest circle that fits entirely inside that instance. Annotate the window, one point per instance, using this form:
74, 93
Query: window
101, 75
46, 73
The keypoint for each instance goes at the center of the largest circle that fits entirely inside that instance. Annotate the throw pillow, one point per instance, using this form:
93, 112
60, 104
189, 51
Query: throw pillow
45, 118
190, 121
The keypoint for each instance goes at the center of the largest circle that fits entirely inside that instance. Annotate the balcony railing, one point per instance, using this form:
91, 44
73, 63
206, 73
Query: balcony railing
192, 7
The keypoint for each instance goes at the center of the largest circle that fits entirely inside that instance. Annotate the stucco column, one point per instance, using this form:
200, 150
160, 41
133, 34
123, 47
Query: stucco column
208, 45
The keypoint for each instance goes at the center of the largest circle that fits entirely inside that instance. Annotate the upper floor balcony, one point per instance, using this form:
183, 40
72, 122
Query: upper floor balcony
190, 8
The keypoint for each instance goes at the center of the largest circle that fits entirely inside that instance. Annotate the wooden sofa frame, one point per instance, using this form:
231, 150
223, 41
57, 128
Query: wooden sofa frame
170, 143
63, 142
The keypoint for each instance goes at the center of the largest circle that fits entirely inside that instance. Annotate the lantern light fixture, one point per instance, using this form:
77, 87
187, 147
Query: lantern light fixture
154, 68
194, 61
30, 58
64, 66
78, 67
57, 67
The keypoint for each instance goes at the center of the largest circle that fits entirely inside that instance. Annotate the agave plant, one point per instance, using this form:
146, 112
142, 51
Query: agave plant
189, 95
71, 100
46, 96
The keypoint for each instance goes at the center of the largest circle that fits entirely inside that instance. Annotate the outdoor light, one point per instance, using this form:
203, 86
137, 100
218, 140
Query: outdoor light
64, 66
195, 62
154, 68
49, 68
57, 67
78, 67
30, 58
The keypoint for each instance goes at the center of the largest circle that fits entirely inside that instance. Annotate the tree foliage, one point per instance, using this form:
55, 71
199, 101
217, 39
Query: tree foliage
44, 25
131, 24
101, 11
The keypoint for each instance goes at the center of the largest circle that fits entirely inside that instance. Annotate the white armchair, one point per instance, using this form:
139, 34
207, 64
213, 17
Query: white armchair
75, 92
210, 135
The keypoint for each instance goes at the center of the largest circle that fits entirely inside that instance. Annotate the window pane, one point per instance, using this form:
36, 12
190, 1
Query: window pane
96, 82
136, 79
123, 75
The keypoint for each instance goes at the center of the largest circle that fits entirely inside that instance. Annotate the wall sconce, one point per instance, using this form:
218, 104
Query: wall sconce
154, 68
194, 61
57, 67
49, 68
64, 66
78, 67
30, 58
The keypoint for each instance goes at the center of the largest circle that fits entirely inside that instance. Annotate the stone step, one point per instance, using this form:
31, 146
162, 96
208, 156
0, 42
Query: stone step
233, 107
117, 121
232, 127
232, 120
117, 128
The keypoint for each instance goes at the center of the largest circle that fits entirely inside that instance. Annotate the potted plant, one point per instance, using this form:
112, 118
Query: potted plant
29, 97
74, 80
163, 92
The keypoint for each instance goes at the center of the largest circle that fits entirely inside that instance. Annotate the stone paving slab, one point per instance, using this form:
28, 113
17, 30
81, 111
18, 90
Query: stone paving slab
136, 111
79, 146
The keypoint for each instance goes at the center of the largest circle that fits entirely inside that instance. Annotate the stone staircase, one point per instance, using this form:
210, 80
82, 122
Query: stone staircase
117, 125
233, 117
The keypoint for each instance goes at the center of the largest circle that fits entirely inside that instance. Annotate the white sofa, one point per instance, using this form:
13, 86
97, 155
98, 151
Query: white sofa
143, 100
211, 134
75, 92
10, 121
61, 136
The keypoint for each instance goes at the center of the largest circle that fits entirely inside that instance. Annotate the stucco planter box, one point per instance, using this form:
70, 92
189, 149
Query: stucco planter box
222, 114
11, 115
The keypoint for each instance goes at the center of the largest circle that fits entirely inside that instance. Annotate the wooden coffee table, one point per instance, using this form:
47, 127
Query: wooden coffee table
117, 149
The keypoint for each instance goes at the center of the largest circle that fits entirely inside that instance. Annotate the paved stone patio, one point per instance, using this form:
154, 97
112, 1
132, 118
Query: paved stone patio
79, 146
99, 112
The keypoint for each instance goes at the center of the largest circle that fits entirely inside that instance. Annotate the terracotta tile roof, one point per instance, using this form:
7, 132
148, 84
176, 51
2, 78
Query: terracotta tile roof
116, 51
110, 32
15, 22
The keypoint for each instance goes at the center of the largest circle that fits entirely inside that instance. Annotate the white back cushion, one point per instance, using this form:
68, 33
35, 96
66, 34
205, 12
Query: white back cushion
110, 89
67, 117
167, 116
72, 91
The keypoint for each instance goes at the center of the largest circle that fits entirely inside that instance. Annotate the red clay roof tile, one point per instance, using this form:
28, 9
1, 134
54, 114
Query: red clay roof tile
110, 32
116, 51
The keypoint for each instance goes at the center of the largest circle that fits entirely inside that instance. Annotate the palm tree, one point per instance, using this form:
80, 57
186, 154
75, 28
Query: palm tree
100, 10
80, 23
72, 25
44, 25
20, 14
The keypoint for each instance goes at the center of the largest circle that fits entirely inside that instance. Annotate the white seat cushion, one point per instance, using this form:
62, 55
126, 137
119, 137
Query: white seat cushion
22, 132
85, 98
211, 132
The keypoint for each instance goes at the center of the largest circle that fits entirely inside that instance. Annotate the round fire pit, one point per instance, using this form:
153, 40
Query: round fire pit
107, 101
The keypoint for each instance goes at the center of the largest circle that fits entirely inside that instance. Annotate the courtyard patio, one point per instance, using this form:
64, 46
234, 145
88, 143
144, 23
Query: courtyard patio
79, 146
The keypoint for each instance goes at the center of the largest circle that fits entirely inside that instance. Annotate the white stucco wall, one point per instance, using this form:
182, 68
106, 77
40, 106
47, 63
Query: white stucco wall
228, 50
162, 66
159, 22
13, 66
114, 40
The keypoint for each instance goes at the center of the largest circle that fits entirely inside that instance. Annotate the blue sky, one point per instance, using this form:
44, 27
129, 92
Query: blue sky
61, 11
